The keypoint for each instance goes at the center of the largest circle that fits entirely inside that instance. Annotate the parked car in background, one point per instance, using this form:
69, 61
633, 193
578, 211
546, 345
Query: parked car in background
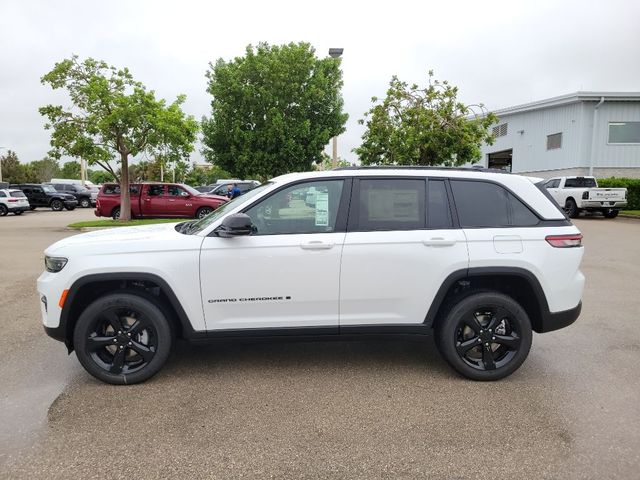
12, 200
577, 194
243, 185
46, 196
82, 194
149, 200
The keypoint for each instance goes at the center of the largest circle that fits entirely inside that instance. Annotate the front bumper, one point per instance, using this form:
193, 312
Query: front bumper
604, 204
70, 203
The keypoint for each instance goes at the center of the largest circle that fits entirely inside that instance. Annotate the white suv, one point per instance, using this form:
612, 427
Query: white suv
13, 201
477, 258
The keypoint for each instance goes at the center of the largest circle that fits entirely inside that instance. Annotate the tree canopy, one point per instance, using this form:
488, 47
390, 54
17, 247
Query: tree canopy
273, 110
424, 126
113, 117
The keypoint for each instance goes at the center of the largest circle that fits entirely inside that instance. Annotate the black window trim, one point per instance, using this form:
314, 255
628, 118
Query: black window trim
455, 225
343, 207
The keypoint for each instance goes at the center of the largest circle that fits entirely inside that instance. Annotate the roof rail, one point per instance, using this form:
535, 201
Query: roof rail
477, 168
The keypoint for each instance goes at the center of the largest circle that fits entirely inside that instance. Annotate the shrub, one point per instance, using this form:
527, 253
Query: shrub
631, 184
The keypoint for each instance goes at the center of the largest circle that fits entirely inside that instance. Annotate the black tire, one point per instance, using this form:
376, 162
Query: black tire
56, 205
122, 338
85, 202
610, 213
468, 341
3, 210
32, 208
571, 208
115, 213
18, 213
203, 212
70, 208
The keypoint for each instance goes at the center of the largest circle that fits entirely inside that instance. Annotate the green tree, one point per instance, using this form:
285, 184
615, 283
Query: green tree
43, 170
12, 170
100, 176
71, 170
273, 110
113, 117
424, 126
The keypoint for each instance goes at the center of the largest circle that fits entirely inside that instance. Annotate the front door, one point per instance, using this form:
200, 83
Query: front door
179, 202
400, 247
287, 273
155, 201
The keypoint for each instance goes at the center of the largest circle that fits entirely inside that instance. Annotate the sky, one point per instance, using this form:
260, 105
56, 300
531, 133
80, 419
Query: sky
499, 53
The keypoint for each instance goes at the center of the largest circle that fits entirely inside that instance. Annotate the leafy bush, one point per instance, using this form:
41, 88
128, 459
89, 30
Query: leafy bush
631, 184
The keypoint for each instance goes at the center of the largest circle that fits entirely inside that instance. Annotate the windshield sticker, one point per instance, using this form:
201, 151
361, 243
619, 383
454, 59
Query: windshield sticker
322, 209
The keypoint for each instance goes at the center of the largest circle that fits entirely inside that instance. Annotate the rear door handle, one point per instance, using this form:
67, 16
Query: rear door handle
316, 245
439, 242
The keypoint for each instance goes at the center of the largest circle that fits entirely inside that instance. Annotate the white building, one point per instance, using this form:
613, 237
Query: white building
584, 133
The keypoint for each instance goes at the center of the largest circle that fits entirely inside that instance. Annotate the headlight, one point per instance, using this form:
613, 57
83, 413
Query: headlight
54, 264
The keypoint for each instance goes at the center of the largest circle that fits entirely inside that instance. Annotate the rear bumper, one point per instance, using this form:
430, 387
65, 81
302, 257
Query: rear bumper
603, 204
557, 320
21, 208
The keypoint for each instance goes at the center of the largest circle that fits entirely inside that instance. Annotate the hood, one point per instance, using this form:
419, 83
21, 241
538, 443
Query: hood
143, 238
214, 197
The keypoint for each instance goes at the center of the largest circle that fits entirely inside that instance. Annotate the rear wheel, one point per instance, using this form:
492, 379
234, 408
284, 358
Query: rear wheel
18, 213
85, 202
3, 210
56, 205
610, 213
203, 212
122, 338
485, 336
32, 208
571, 208
115, 213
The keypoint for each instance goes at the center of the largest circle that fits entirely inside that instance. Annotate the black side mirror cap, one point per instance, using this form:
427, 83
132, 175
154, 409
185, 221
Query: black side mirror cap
235, 225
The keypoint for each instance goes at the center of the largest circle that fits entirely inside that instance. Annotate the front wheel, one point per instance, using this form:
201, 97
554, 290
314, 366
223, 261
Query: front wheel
122, 338
203, 212
571, 208
610, 213
57, 205
485, 336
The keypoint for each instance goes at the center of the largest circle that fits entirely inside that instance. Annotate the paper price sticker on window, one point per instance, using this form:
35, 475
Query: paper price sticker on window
322, 209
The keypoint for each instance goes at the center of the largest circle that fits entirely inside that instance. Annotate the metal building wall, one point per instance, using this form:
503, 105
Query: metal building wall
612, 155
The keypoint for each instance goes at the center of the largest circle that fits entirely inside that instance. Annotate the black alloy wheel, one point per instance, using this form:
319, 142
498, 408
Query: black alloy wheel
85, 202
571, 208
485, 336
56, 205
3, 210
203, 212
122, 338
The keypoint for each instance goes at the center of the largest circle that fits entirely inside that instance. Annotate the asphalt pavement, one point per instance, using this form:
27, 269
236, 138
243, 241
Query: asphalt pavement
365, 409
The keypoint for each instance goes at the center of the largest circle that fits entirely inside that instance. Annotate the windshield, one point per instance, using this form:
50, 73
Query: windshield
203, 223
191, 190
49, 189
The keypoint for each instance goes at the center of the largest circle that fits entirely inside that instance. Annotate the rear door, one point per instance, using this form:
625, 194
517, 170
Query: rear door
400, 246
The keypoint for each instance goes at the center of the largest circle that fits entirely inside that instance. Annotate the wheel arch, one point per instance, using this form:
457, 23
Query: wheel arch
87, 289
518, 283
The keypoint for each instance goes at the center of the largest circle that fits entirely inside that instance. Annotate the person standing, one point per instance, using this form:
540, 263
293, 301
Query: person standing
234, 191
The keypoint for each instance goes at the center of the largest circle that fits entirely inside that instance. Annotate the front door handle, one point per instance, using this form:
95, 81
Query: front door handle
316, 245
439, 242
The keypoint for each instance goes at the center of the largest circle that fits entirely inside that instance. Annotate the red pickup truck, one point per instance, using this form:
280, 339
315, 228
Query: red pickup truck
172, 200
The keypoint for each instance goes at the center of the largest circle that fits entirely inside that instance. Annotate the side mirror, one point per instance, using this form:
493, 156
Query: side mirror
234, 225
184, 194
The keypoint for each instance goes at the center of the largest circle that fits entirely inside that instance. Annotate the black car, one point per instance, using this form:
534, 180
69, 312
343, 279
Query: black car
222, 189
46, 196
81, 194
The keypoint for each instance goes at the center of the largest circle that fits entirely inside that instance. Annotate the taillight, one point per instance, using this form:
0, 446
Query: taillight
13, 199
564, 241
585, 195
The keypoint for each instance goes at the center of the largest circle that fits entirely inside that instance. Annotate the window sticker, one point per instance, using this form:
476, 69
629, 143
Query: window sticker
322, 209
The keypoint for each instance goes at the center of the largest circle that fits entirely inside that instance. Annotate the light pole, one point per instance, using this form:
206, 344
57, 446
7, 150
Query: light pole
335, 53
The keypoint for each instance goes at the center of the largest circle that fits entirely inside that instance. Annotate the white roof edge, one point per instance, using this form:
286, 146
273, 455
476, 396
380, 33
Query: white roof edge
568, 99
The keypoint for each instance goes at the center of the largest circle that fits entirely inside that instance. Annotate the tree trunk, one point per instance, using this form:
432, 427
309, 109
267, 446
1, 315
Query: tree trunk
125, 197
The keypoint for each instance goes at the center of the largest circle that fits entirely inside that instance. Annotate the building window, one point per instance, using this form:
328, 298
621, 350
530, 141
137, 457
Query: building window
554, 141
500, 130
624, 132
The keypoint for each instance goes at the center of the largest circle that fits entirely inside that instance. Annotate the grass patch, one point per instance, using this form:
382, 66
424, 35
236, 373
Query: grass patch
634, 213
117, 223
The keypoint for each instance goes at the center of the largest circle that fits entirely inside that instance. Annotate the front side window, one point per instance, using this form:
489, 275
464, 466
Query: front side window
553, 183
484, 204
175, 191
624, 132
156, 190
310, 207
48, 189
391, 204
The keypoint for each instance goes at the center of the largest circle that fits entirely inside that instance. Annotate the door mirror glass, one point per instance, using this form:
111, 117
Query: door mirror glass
234, 225
184, 194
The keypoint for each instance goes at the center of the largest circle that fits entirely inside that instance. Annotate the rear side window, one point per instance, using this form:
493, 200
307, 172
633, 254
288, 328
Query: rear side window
484, 204
391, 204
115, 190
2, 194
439, 213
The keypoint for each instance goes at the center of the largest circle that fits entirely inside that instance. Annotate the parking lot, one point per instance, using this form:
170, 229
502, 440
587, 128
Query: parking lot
367, 409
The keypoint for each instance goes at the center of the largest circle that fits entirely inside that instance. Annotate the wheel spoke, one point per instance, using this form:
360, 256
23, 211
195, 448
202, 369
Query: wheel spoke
113, 319
464, 347
118, 361
135, 327
487, 358
98, 342
473, 323
496, 317
511, 341
145, 352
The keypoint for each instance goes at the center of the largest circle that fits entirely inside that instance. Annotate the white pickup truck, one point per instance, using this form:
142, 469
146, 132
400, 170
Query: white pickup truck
576, 194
